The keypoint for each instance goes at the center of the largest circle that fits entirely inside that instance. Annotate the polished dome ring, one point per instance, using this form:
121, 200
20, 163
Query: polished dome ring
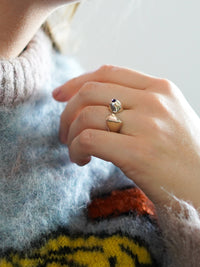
115, 106
114, 124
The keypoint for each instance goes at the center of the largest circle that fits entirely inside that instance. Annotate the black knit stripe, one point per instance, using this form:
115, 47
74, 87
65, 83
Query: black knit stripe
61, 261
68, 250
62, 252
58, 256
65, 232
112, 261
134, 257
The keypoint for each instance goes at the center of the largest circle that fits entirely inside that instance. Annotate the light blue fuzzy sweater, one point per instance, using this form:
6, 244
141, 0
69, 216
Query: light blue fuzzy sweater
40, 189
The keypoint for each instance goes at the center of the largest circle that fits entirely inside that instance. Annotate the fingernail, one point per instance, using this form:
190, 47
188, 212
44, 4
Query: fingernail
56, 92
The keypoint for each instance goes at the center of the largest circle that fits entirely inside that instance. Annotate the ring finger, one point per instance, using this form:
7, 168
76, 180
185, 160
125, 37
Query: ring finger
98, 94
94, 117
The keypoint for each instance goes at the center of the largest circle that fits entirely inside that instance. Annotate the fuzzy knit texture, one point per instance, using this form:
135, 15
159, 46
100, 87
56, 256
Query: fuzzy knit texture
22, 77
181, 233
45, 211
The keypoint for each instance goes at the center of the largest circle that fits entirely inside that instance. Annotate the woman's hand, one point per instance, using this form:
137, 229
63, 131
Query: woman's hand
159, 142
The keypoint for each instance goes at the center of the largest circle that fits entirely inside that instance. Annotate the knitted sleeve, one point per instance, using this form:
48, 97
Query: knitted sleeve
181, 233
22, 77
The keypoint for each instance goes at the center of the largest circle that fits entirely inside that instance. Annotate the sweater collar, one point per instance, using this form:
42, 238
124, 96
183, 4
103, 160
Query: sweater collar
23, 77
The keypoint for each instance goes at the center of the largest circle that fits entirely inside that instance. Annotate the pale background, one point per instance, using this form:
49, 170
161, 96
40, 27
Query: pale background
160, 37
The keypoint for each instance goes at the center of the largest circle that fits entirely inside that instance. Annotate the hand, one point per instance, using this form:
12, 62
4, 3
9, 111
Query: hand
159, 142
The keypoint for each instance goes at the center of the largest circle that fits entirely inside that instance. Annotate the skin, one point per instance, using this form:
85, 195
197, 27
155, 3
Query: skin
158, 146
20, 20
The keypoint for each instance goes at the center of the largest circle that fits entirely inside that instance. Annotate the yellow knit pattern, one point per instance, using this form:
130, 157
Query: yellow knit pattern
91, 251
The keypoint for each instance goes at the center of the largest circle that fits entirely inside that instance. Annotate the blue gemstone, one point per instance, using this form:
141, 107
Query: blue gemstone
114, 100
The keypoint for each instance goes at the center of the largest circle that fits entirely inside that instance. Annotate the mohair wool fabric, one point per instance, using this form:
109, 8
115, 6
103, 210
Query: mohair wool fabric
181, 233
44, 197
22, 77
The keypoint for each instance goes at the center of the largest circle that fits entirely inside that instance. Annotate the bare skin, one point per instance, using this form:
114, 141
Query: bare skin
159, 143
20, 20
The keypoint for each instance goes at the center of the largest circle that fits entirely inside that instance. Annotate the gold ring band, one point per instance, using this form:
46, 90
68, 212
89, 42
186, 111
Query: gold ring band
114, 124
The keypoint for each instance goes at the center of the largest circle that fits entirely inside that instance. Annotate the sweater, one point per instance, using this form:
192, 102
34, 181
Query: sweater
55, 213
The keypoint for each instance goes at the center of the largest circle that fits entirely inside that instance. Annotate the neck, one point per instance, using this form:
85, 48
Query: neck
19, 21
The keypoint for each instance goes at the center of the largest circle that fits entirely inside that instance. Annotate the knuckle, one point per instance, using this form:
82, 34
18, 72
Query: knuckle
165, 82
89, 110
166, 86
154, 99
105, 68
155, 125
86, 89
159, 103
84, 115
86, 139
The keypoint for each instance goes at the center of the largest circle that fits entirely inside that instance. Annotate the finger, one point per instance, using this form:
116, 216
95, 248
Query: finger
91, 117
95, 93
94, 117
117, 148
106, 74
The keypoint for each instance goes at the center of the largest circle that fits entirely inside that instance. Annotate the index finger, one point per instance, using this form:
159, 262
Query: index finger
106, 73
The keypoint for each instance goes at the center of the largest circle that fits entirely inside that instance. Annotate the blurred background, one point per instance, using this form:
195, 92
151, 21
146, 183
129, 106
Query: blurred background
159, 37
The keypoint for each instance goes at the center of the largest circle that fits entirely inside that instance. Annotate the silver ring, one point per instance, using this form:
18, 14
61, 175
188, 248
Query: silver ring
115, 106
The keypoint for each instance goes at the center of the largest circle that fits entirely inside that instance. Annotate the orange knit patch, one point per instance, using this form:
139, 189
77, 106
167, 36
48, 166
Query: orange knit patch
120, 202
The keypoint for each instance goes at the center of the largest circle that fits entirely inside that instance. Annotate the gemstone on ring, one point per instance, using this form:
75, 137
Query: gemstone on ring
115, 106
